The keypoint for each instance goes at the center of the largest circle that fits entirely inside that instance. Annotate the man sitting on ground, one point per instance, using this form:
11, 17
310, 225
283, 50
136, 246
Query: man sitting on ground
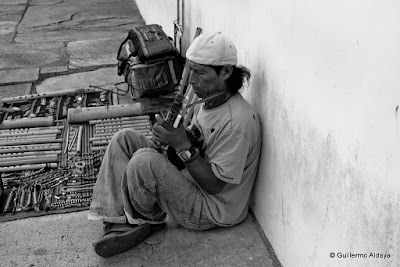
137, 186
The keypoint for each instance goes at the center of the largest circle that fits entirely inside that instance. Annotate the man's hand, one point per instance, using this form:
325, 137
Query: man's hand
200, 169
165, 134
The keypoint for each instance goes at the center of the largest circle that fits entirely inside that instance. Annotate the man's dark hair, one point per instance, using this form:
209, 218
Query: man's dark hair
237, 78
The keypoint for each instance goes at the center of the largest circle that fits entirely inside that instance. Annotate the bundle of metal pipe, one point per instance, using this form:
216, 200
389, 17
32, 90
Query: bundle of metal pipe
104, 129
51, 94
29, 148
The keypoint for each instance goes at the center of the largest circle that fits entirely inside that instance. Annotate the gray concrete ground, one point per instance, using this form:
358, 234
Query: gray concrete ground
53, 45
65, 240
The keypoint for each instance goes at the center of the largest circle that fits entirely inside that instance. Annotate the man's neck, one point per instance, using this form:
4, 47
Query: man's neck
217, 101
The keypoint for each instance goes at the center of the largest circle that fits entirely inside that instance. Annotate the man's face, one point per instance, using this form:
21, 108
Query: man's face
205, 80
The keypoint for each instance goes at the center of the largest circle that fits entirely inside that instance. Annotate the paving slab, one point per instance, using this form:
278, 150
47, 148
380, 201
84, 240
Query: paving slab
13, 2
75, 20
11, 13
93, 52
65, 240
19, 75
7, 27
7, 91
53, 70
77, 14
73, 35
44, 2
12, 9
6, 39
33, 55
102, 77
10, 17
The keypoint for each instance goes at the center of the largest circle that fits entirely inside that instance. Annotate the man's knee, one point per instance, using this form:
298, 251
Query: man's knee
124, 133
147, 157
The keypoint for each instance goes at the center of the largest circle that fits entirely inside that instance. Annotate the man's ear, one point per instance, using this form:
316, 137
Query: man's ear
226, 71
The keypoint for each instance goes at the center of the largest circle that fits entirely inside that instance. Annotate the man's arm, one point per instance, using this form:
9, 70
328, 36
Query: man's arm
199, 168
201, 171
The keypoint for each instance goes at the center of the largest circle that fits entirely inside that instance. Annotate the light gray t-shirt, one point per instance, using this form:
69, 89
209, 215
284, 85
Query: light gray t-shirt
232, 139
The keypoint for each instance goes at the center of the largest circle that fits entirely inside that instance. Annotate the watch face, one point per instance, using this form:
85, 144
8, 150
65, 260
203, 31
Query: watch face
185, 155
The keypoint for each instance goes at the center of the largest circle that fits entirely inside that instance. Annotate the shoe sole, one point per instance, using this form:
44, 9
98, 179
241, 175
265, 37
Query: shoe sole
115, 244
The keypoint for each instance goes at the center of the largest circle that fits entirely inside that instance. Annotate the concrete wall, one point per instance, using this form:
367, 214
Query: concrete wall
326, 86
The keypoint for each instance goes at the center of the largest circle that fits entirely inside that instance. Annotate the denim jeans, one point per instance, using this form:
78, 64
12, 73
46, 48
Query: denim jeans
136, 181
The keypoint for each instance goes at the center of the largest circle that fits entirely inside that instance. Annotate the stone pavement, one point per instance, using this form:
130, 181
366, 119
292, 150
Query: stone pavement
56, 38
53, 45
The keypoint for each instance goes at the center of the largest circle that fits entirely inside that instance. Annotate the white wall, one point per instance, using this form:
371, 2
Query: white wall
326, 86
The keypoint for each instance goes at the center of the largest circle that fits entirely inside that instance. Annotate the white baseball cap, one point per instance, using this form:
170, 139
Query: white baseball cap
214, 48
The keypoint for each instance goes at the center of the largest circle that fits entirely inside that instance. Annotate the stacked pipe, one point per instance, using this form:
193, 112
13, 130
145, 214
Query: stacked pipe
29, 148
103, 130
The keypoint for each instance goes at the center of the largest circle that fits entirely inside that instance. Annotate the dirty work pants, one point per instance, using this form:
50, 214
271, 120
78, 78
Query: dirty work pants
134, 178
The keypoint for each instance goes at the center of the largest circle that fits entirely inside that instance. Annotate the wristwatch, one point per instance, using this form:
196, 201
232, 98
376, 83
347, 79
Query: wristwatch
188, 155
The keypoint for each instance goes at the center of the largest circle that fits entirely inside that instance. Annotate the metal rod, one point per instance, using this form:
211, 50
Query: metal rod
28, 142
116, 128
79, 140
100, 138
33, 129
51, 94
111, 133
97, 126
32, 153
101, 142
107, 136
189, 113
136, 118
66, 141
97, 148
26, 138
9, 198
22, 134
28, 161
28, 167
122, 123
16, 149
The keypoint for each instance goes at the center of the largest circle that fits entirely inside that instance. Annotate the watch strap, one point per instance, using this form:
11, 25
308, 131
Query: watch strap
184, 155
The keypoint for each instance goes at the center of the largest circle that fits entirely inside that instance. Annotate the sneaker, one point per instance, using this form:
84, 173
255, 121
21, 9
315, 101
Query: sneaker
119, 238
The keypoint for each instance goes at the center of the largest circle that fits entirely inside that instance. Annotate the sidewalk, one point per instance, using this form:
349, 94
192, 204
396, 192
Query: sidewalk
65, 240
53, 45
45, 44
